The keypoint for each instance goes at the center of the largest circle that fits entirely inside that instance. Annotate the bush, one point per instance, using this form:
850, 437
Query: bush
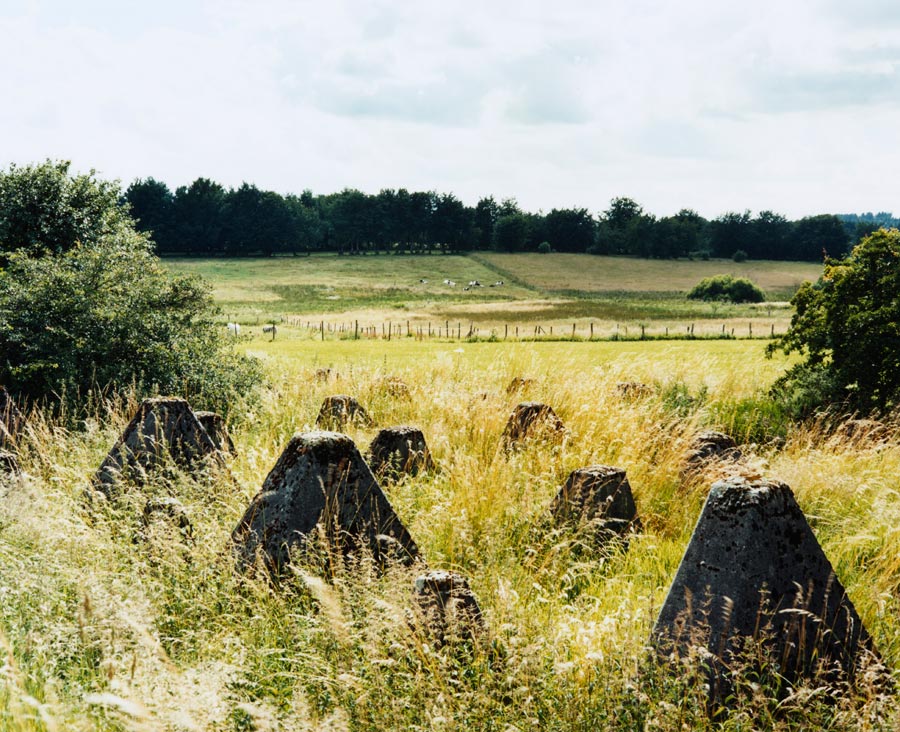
109, 317
544, 247
728, 288
846, 327
739, 256
85, 307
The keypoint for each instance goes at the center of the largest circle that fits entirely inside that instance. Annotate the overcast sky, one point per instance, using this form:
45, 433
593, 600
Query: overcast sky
790, 105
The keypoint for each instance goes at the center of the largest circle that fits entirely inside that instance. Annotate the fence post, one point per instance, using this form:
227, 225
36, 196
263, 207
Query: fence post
592, 330
322, 326
573, 331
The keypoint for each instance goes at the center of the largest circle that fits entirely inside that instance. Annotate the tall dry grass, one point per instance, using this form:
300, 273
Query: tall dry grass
111, 624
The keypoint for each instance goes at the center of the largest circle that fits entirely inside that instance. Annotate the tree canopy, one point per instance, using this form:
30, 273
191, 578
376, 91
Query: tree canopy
847, 329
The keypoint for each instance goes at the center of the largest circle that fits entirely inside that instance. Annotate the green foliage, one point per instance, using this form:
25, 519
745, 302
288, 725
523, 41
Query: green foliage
109, 316
511, 232
847, 326
739, 256
544, 247
728, 288
44, 209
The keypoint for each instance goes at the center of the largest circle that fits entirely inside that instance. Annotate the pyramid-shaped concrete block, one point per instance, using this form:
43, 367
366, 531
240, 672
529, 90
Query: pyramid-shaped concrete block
339, 410
707, 448
447, 606
217, 430
321, 486
532, 420
163, 429
754, 571
397, 451
598, 500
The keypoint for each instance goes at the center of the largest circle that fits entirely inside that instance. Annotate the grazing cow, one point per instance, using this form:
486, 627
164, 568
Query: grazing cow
498, 283
423, 281
233, 329
466, 289
474, 283
270, 329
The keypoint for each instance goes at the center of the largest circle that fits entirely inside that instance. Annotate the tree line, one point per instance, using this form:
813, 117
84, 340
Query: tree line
206, 219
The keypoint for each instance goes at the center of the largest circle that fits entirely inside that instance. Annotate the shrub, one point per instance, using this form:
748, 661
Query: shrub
847, 328
739, 256
728, 288
110, 317
544, 247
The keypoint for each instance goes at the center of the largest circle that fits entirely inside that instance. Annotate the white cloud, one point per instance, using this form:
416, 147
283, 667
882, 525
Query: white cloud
709, 105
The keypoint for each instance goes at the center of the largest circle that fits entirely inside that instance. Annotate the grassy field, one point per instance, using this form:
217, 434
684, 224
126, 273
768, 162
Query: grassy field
107, 626
548, 290
564, 273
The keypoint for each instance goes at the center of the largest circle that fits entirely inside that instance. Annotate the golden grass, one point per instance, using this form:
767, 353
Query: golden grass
108, 628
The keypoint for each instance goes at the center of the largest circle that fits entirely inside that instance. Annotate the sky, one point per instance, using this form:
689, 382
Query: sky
791, 106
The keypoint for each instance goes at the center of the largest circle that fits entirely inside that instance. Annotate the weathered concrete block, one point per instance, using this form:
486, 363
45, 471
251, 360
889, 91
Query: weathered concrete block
597, 500
163, 429
532, 420
339, 410
321, 484
754, 571
633, 390
217, 430
396, 451
447, 606
707, 448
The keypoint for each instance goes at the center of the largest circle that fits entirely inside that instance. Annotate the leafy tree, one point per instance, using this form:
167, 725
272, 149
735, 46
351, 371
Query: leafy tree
769, 237
847, 329
486, 214
152, 205
452, 224
256, 222
570, 229
623, 227
815, 237
306, 223
729, 232
45, 209
728, 288
676, 236
511, 233
198, 212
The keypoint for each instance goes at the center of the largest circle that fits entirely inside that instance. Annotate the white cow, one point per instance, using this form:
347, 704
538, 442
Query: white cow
234, 329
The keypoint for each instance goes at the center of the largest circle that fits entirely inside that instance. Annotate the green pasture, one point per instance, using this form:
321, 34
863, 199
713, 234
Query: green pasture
555, 289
